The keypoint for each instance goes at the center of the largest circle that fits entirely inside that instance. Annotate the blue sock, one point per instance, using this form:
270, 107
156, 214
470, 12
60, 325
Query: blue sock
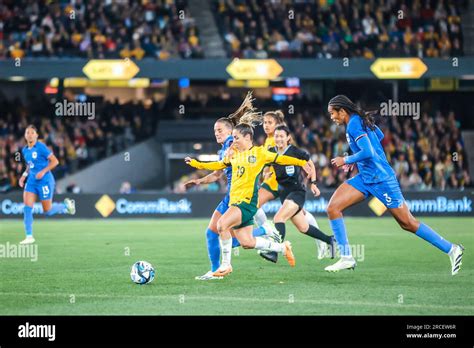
434, 238
28, 220
213, 249
339, 230
257, 232
57, 208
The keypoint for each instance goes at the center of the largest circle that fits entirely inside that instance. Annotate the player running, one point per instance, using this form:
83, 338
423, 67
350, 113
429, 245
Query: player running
223, 133
40, 183
377, 178
292, 193
247, 163
269, 188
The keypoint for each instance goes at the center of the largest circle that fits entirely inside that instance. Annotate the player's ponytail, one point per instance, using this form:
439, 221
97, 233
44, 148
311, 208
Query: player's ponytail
248, 121
342, 102
245, 107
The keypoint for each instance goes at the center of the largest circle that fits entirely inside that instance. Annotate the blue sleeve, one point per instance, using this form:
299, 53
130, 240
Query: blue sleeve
366, 151
379, 133
355, 129
45, 150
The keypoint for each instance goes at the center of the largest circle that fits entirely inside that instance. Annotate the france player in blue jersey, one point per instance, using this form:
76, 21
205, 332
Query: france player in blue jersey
216, 246
39, 182
376, 178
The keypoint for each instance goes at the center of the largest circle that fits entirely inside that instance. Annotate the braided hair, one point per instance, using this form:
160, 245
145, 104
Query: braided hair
342, 102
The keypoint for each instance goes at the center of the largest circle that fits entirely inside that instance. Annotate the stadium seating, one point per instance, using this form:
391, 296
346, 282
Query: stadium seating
96, 29
328, 29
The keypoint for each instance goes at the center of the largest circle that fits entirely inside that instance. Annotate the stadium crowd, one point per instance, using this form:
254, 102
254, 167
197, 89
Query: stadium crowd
98, 29
76, 141
340, 28
427, 153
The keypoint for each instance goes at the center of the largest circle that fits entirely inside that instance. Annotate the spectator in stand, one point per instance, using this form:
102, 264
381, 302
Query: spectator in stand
97, 29
337, 28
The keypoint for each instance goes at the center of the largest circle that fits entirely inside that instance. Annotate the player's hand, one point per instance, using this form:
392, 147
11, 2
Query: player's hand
338, 161
22, 181
267, 175
187, 160
191, 183
308, 169
40, 175
229, 153
315, 190
348, 167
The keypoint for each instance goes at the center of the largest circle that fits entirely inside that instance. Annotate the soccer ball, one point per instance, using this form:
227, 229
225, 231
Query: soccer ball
142, 272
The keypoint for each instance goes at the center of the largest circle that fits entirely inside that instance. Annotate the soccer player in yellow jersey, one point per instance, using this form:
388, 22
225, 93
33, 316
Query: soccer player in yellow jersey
247, 164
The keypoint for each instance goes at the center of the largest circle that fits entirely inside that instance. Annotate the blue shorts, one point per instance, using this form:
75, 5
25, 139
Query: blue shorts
43, 188
388, 192
223, 205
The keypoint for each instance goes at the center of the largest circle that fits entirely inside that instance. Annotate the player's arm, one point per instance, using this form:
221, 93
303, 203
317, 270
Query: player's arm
52, 163
359, 134
21, 182
213, 177
314, 186
206, 165
271, 157
379, 133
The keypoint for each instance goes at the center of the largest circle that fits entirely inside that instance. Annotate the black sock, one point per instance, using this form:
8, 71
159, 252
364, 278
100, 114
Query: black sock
316, 233
280, 226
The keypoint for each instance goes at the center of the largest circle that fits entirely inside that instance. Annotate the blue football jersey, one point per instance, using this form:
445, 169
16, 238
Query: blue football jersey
376, 168
36, 158
228, 171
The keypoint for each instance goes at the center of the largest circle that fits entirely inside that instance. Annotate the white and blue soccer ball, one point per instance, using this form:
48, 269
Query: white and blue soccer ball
142, 272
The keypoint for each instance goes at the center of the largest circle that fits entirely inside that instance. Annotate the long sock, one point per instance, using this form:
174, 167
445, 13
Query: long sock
28, 220
425, 232
260, 217
339, 230
57, 208
226, 249
318, 234
268, 245
213, 249
257, 232
281, 228
311, 219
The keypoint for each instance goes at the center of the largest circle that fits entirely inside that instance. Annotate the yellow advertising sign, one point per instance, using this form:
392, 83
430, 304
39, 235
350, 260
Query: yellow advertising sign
110, 69
254, 69
398, 68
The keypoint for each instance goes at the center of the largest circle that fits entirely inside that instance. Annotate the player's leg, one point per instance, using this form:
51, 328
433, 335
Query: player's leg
46, 197
286, 211
310, 218
345, 196
29, 199
232, 217
328, 243
213, 246
248, 241
409, 223
265, 194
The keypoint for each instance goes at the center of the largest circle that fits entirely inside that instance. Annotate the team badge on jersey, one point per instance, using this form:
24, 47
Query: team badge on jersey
252, 159
290, 170
34, 154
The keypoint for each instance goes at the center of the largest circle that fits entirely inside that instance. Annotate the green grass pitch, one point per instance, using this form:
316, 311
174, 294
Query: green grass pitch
83, 268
